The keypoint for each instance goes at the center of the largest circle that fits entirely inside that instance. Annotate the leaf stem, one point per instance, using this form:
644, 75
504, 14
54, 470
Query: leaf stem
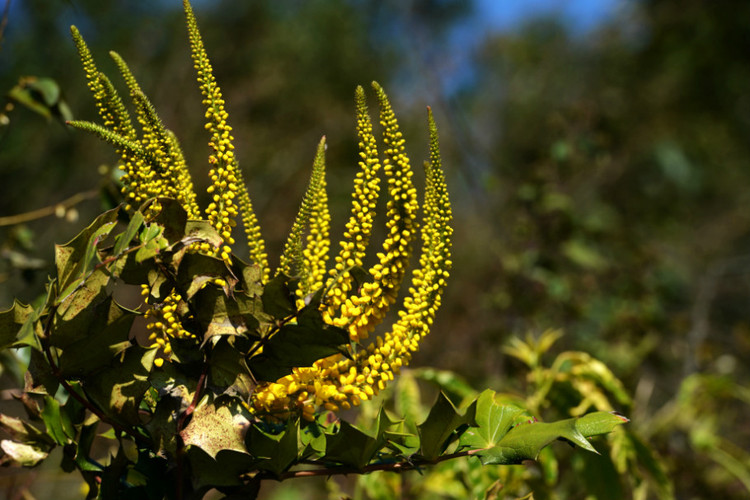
392, 467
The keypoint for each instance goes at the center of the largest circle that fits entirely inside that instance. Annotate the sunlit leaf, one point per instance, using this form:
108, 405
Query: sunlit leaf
22, 454
11, 322
440, 427
216, 426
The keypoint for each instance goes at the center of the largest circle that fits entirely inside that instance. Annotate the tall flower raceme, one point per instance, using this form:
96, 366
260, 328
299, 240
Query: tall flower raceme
349, 297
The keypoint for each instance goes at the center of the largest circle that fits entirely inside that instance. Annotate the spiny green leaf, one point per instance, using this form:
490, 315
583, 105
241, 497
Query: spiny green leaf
96, 347
354, 447
153, 242
70, 257
11, 322
172, 217
201, 230
493, 419
525, 441
40, 378
162, 427
83, 449
97, 237
217, 313
23, 431
278, 301
440, 427
297, 345
56, 421
120, 387
228, 371
196, 270
222, 470
273, 452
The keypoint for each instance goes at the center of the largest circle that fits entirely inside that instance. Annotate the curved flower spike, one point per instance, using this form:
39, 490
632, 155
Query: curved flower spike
108, 102
364, 201
256, 245
370, 370
361, 312
308, 261
227, 182
222, 211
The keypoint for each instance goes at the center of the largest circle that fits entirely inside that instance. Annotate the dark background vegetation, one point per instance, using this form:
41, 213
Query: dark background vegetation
600, 179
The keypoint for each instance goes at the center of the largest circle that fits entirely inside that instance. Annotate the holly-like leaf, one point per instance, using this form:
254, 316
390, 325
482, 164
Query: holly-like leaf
162, 427
39, 379
22, 454
493, 421
11, 322
354, 447
58, 423
172, 217
251, 277
297, 345
202, 230
196, 270
217, 426
23, 431
273, 452
228, 371
153, 241
120, 387
525, 441
70, 258
440, 427
278, 301
221, 471
81, 293
217, 313
106, 337
82, 456
123, 240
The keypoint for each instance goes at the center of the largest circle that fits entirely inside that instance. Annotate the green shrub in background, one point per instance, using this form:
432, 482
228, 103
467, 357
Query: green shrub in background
206, 372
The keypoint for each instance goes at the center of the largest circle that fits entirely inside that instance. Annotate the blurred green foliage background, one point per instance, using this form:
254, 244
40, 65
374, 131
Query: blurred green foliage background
600, 178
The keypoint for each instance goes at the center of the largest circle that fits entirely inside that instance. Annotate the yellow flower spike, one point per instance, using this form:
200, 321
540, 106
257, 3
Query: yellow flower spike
108, 102
401, 209
224, 172
318, 237
118, 129
364, 201
309, 261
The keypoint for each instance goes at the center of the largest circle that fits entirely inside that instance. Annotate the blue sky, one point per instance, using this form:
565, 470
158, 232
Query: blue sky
580, 15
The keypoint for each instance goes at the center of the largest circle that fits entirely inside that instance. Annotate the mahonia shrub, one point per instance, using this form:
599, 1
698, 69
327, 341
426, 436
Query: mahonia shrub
228, 372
